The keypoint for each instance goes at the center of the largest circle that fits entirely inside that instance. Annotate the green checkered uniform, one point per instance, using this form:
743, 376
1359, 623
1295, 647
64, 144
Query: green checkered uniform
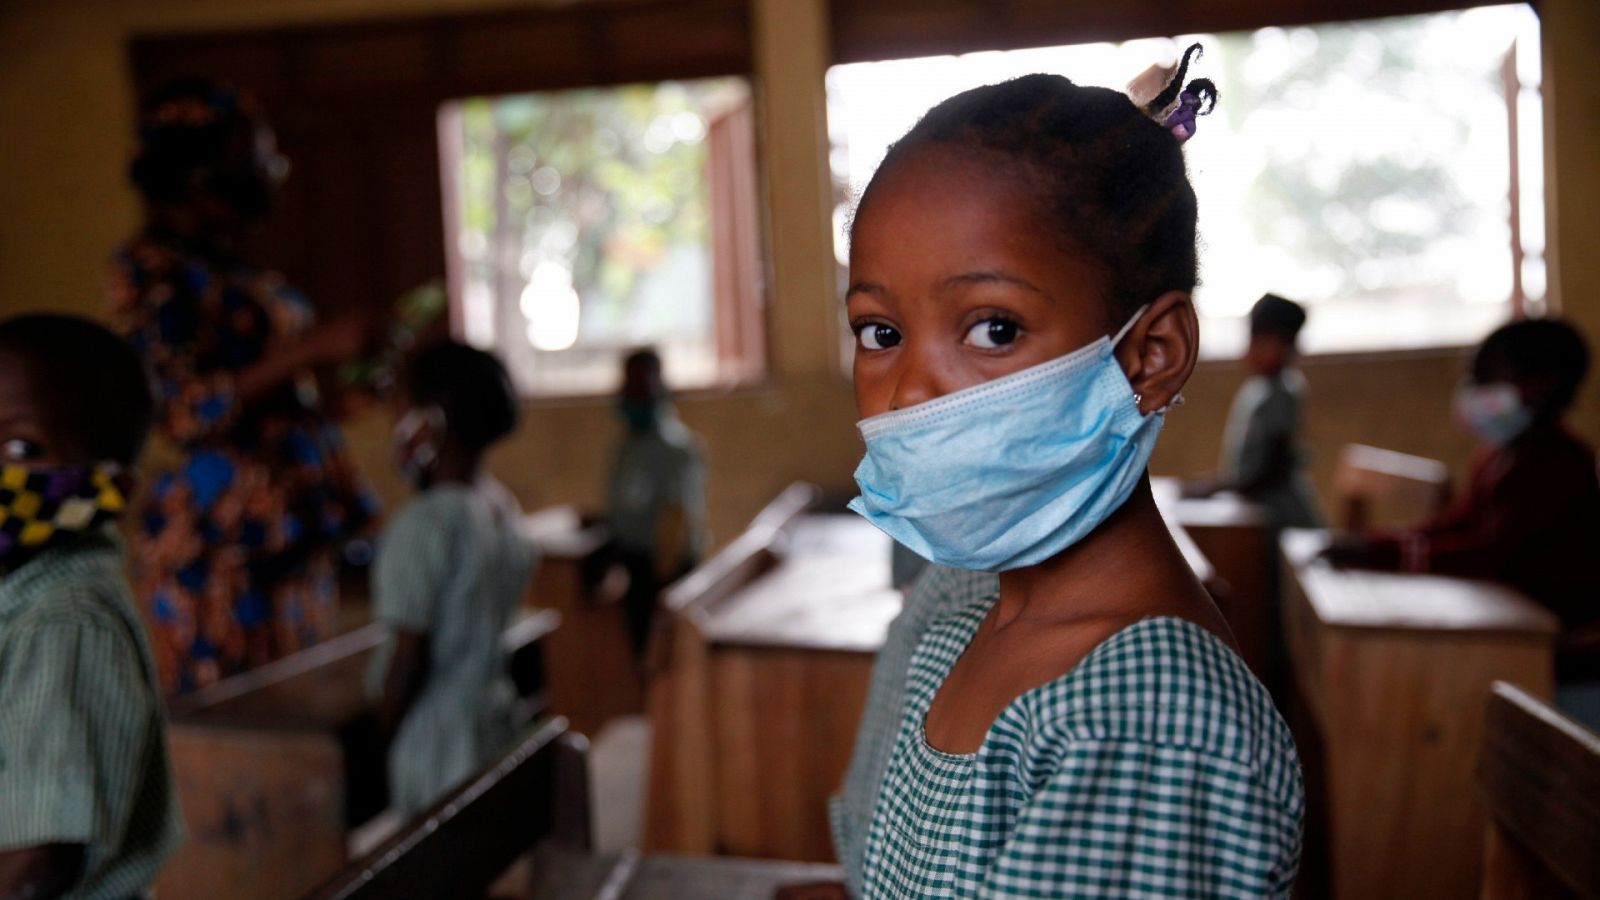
1156, 768
83, 749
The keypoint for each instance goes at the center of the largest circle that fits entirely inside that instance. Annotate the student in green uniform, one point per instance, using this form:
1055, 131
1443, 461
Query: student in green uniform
87, 807
656, 504
450, 571
1020, 276
1261, 454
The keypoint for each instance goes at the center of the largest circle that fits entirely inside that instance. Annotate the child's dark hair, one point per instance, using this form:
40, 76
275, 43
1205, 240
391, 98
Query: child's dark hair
1278, 317
1537, 348
93, 385
1110, 176
470, 386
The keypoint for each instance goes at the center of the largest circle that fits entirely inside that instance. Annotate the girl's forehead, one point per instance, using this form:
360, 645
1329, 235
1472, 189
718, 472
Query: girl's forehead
944, 211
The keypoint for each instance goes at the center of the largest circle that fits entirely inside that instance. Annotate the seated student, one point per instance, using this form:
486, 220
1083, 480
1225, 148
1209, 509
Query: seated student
1019, 285
1530, 514
450, 570
87, 807
1261, 454
656, 502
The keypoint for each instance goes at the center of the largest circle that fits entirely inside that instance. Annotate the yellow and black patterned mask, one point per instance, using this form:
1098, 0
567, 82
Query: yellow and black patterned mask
39, 504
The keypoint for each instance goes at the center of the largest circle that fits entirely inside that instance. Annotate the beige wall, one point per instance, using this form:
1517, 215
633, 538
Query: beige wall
65, 102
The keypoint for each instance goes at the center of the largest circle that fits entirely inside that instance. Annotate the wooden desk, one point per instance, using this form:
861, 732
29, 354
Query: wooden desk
767, 659
1396, 671
274, 766
592, 675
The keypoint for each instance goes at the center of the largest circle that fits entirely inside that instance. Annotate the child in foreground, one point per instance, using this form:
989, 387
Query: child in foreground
450, 571
1020, 276
1261, 454
87, 807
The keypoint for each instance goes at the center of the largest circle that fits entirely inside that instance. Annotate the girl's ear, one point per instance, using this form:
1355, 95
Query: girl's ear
1160, 353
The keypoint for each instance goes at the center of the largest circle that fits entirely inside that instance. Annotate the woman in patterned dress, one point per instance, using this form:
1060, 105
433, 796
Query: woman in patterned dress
252, 490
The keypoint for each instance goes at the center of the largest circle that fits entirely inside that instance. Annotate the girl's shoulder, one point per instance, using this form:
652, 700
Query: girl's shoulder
1164, 682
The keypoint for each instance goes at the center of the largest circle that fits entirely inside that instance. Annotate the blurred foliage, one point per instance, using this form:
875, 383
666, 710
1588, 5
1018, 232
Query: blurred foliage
605, 181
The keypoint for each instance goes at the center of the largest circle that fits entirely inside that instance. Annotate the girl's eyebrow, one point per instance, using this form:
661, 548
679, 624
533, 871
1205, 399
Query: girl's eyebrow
866, 287
990, 276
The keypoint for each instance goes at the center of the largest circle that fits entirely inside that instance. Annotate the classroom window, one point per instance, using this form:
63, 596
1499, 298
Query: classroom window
1387, 173
583, 223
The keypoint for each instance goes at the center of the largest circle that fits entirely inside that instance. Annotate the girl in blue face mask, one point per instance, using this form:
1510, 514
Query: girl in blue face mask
1020, 277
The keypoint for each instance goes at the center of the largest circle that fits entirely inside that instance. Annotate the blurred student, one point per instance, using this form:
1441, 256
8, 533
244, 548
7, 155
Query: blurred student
656, 503
1262, 458
87, 807
1530, 513
450, 571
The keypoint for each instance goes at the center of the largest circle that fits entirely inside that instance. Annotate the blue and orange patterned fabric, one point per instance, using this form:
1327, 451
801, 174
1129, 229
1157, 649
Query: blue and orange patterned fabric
235, 543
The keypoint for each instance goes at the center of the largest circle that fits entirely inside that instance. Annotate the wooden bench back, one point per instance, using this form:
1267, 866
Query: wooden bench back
465, 841
1382, 487
1540, 775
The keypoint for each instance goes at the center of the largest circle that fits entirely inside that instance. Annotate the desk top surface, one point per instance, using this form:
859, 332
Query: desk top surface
829, 591
1355, 598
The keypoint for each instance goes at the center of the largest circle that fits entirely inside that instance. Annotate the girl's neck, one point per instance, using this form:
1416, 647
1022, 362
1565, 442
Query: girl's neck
1128, 568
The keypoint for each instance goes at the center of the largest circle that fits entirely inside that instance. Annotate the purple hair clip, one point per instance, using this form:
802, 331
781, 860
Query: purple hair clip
1181, 121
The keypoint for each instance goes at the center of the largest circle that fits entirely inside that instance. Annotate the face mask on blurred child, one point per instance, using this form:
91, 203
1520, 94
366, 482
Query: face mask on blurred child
415, 442
1495, 413
40, 505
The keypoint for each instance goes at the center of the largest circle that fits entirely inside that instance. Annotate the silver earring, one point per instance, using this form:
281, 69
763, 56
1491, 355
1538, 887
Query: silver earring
1138, 398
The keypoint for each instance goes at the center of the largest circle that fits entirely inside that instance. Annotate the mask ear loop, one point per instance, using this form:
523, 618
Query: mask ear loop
1138, 398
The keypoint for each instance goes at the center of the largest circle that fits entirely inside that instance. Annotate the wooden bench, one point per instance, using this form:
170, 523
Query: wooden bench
1540, 776
468, 839
1382, 487
274, 767
1394, 671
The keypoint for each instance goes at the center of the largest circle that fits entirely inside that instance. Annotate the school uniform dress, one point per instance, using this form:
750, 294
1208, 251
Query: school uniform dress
938, 592
1155, 768
453, 566
1262, 457
234, 545
83, 749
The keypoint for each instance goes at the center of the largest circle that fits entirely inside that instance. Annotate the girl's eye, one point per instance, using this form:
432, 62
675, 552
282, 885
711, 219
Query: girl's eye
992, 333
875, 336
20, 450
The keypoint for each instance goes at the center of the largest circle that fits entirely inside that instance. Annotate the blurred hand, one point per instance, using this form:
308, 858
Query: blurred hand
815, 890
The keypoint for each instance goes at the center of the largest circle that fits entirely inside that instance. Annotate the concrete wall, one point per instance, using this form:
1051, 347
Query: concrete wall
66, 103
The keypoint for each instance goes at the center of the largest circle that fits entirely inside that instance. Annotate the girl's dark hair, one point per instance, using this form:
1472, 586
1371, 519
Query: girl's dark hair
470, 386
1107, 173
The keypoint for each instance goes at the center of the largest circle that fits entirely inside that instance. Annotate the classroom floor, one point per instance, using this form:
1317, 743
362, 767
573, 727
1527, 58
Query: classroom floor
618, 769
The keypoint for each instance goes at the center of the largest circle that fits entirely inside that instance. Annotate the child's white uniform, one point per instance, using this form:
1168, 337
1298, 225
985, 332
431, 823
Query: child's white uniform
453, 566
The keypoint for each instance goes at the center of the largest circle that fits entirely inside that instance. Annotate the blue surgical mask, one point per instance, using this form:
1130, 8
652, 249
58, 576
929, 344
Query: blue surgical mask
1493, 412
1010, 472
